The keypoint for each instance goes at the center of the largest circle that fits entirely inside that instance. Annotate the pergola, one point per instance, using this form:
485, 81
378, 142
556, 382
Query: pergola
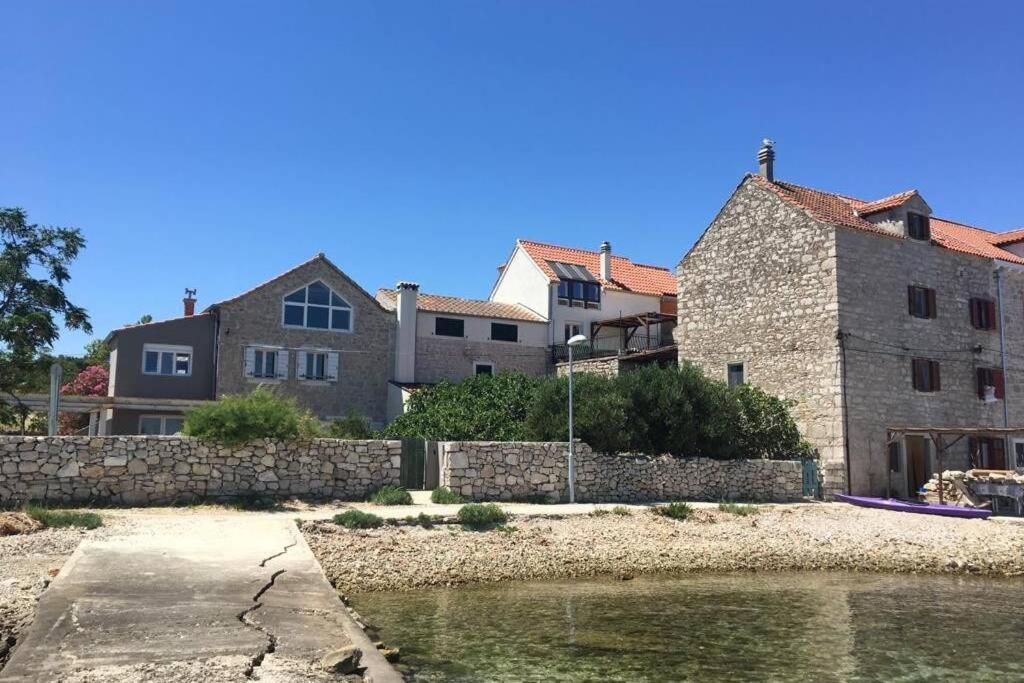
944, 438
632, 323
94, 405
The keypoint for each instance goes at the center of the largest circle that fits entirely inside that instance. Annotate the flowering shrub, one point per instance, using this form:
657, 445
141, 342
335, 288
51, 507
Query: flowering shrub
92, 381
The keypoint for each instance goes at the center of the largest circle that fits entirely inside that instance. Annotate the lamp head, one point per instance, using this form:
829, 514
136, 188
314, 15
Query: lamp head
576, 340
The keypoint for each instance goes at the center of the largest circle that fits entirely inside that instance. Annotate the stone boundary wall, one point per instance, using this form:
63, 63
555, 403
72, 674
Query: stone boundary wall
141, 470
508, 470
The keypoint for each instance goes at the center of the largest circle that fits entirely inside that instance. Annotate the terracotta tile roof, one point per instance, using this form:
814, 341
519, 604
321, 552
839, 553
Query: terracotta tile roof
838, 209
626, 275
436, 303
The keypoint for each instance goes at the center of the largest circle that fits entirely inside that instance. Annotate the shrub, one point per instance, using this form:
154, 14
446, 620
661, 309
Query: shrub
621, 511
391, 495
678, 511
599, 412
423, 519
445, 496
738, 509
260, 414
357, 519
481, 516
600, 512
353, 426
63, 518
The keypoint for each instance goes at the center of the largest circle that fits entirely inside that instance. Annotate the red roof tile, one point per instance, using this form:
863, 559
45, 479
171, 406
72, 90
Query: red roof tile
837, 209
436, 303
626, 275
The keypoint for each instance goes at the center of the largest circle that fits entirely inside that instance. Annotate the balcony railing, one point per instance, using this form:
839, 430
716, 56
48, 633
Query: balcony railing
607, 346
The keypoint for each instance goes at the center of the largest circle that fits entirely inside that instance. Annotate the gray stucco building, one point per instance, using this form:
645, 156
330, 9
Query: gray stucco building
869, 315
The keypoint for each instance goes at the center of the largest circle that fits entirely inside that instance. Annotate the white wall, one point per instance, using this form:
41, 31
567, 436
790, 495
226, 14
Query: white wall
479, 329
522, 282
614, 304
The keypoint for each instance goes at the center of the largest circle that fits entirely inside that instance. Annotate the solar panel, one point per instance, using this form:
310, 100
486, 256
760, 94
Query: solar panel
571, 271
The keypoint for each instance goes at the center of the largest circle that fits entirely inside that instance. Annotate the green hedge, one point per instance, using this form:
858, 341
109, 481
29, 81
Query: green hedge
261, 414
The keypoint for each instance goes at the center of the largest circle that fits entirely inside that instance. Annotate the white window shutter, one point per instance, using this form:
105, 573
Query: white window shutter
300, 364
332, 367
250, 361
281, 369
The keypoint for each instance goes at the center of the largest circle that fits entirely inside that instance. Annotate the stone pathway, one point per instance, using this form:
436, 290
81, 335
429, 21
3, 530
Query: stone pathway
200, 598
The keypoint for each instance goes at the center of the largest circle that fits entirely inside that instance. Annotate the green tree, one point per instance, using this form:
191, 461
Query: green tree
96, 353
145, 319
34, 268
599, 412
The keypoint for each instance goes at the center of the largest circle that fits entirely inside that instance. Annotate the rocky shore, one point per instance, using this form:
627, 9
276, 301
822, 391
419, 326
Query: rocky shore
783, 538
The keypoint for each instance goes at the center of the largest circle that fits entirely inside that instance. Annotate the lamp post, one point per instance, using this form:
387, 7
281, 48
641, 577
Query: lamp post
573, 341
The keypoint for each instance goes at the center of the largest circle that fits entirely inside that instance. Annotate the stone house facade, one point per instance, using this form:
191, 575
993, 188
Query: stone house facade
868, 315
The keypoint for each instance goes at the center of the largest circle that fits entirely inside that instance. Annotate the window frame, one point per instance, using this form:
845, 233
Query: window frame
460, 321
163, 423
983, 313
174, 350
729, 373
260, 356
513, 326
919, 226
477, 364
311, 357
925, 375
990, 377
330, 306
917, 294
584, 299
565, 329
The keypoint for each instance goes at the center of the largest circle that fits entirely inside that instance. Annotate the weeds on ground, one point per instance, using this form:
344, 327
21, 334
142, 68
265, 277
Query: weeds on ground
391, 495
621, 511
423, 519
600, 512
445, 496
738, 509
678, 511
481, 516
63, 518
255, 503
506, 528
357, 519
535, 499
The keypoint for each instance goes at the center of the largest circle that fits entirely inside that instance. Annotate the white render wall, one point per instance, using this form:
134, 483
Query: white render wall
614, 304
522, 282
479, 329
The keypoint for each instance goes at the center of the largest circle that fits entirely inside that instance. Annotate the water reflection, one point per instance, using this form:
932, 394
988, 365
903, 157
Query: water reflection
794, 627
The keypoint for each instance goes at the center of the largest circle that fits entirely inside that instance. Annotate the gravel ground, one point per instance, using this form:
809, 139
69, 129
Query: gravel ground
797, 537
28, 562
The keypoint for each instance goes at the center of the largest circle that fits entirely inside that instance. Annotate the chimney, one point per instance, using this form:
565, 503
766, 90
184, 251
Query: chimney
405, 343
190, 302
766, 158
606, 260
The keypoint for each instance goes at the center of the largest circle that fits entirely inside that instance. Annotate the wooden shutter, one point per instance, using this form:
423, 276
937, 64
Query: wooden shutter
910, 299
300, 364
250, 361
981, 373
997, 382
931, 302
933, 367
281, 368
974, 314
990, 309
332, 367
998, 450
915, 374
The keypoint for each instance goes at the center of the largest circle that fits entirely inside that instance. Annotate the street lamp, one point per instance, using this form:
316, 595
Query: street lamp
572, 341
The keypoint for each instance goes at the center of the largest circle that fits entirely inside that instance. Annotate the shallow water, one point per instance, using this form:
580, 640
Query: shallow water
750, 627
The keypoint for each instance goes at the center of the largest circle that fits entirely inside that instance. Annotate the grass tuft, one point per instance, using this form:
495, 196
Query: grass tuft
481, 515
357, 519
738, 509
255, 503
391, 495
678, 511
445, 496
621, 511
56, 519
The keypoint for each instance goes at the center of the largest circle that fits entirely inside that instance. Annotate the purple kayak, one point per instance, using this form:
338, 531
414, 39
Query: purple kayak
897, 505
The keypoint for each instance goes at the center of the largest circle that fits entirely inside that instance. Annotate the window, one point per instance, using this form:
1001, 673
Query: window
983, 313
317, 307
449, 327
925, 374
317, 366
504, 332
990, 384
917, 226
579, 294
483, 368
266, 363
922, 301
571, 330
734, 373
987, 453
160, 424
158, 359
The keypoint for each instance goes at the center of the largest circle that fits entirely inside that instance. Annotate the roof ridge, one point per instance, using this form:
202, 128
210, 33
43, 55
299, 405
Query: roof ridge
965, 225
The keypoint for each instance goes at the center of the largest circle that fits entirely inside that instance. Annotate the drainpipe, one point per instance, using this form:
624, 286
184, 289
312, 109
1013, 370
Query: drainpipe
1002, 358
846, 418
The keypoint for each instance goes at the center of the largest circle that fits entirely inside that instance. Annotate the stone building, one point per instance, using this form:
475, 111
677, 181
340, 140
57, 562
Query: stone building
867, 314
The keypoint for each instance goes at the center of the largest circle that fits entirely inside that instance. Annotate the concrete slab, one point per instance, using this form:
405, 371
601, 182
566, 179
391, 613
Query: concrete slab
191, 598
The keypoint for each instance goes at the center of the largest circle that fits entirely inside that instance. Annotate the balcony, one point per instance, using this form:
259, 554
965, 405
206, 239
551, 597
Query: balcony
638, 335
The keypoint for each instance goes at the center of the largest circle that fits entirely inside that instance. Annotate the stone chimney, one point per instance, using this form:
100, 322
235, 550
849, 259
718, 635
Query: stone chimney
190, 302
766, 159
606, 260
405, 342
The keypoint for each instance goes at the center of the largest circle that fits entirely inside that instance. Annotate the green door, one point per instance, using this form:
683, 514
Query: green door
413, 461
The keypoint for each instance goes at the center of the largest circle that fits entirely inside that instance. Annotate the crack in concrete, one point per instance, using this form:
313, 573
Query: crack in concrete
244, 615
288, 547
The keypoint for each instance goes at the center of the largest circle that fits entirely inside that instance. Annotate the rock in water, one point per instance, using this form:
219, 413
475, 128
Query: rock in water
344, 660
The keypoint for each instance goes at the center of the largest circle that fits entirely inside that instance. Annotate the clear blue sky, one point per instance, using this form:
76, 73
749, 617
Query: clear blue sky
214, 145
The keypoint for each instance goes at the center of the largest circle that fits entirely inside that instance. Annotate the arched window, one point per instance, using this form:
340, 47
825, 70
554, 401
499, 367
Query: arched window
317, 307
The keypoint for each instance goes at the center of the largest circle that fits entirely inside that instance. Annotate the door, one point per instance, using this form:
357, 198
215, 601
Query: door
918, 472
413, 459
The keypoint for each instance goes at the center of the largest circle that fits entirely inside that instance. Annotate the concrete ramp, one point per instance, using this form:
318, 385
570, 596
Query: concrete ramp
194, 597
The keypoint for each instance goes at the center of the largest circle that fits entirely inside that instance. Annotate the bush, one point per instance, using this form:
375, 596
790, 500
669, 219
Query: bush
63, 518
423, 519
260, 414
353, 426
738, 509
445, 496
481, 516
621, 511
679, 511
357, 519
599, 412
391, 495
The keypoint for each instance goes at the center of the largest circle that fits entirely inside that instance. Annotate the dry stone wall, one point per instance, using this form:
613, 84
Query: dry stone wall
510, 470
141, 470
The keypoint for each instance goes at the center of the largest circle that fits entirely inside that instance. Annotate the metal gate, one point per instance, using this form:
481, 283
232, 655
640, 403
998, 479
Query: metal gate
413, 460
811, 488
